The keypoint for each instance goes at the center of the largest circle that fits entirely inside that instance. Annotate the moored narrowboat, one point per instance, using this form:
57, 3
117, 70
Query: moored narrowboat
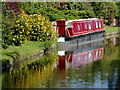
69, 29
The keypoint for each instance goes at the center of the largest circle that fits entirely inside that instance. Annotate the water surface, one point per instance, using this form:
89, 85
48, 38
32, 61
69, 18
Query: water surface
97, 66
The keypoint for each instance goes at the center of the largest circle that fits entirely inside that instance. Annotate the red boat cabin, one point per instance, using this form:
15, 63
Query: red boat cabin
73, 28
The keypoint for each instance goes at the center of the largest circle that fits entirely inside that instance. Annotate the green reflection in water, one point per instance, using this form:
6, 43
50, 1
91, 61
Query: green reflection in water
103, 73
32, 75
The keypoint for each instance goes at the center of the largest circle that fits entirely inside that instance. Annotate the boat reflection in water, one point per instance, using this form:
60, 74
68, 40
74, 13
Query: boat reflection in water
82, 56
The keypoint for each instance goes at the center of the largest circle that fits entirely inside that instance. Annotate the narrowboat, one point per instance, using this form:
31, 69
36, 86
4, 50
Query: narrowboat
70, 29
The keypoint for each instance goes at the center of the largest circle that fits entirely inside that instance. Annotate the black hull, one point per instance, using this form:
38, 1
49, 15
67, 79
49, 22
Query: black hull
93, 40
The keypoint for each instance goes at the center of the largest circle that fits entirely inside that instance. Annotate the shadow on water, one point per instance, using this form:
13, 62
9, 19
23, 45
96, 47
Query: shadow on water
89, 65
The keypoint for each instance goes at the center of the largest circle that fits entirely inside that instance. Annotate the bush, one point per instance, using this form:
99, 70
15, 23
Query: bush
8, 20
29, 28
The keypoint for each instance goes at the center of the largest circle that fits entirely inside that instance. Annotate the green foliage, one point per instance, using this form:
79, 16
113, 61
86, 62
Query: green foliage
27, 28
55, 11
117, 9
70, 10
8, 21
99, 8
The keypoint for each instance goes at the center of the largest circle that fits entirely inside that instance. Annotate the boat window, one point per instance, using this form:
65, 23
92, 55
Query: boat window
89, 26
96, 24
78, 27
69, 23
99, 24
85, 26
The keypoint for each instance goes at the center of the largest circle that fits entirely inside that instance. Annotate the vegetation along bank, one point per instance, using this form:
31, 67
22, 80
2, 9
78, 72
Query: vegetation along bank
27, 30
24, 36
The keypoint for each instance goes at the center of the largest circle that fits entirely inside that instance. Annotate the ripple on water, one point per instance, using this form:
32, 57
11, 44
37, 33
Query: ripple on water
67, 77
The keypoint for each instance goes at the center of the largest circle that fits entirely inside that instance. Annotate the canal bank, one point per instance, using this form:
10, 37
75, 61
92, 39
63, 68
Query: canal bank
111, 30
112, 33
26, 53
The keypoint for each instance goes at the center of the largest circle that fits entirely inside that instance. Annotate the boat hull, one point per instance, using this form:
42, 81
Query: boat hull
83, 41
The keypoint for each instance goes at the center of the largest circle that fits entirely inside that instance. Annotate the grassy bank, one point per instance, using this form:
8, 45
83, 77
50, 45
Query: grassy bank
109, 29
41, 61
39, 71
25, 52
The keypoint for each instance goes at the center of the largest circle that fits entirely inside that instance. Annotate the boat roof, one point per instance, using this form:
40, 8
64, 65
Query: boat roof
62, 20
84, 19
80, 19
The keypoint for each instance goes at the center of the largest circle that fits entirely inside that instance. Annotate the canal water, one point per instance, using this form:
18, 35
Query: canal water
91, 65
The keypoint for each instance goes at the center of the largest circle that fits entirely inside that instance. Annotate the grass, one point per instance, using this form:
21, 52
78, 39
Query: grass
24, 51
109, 29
